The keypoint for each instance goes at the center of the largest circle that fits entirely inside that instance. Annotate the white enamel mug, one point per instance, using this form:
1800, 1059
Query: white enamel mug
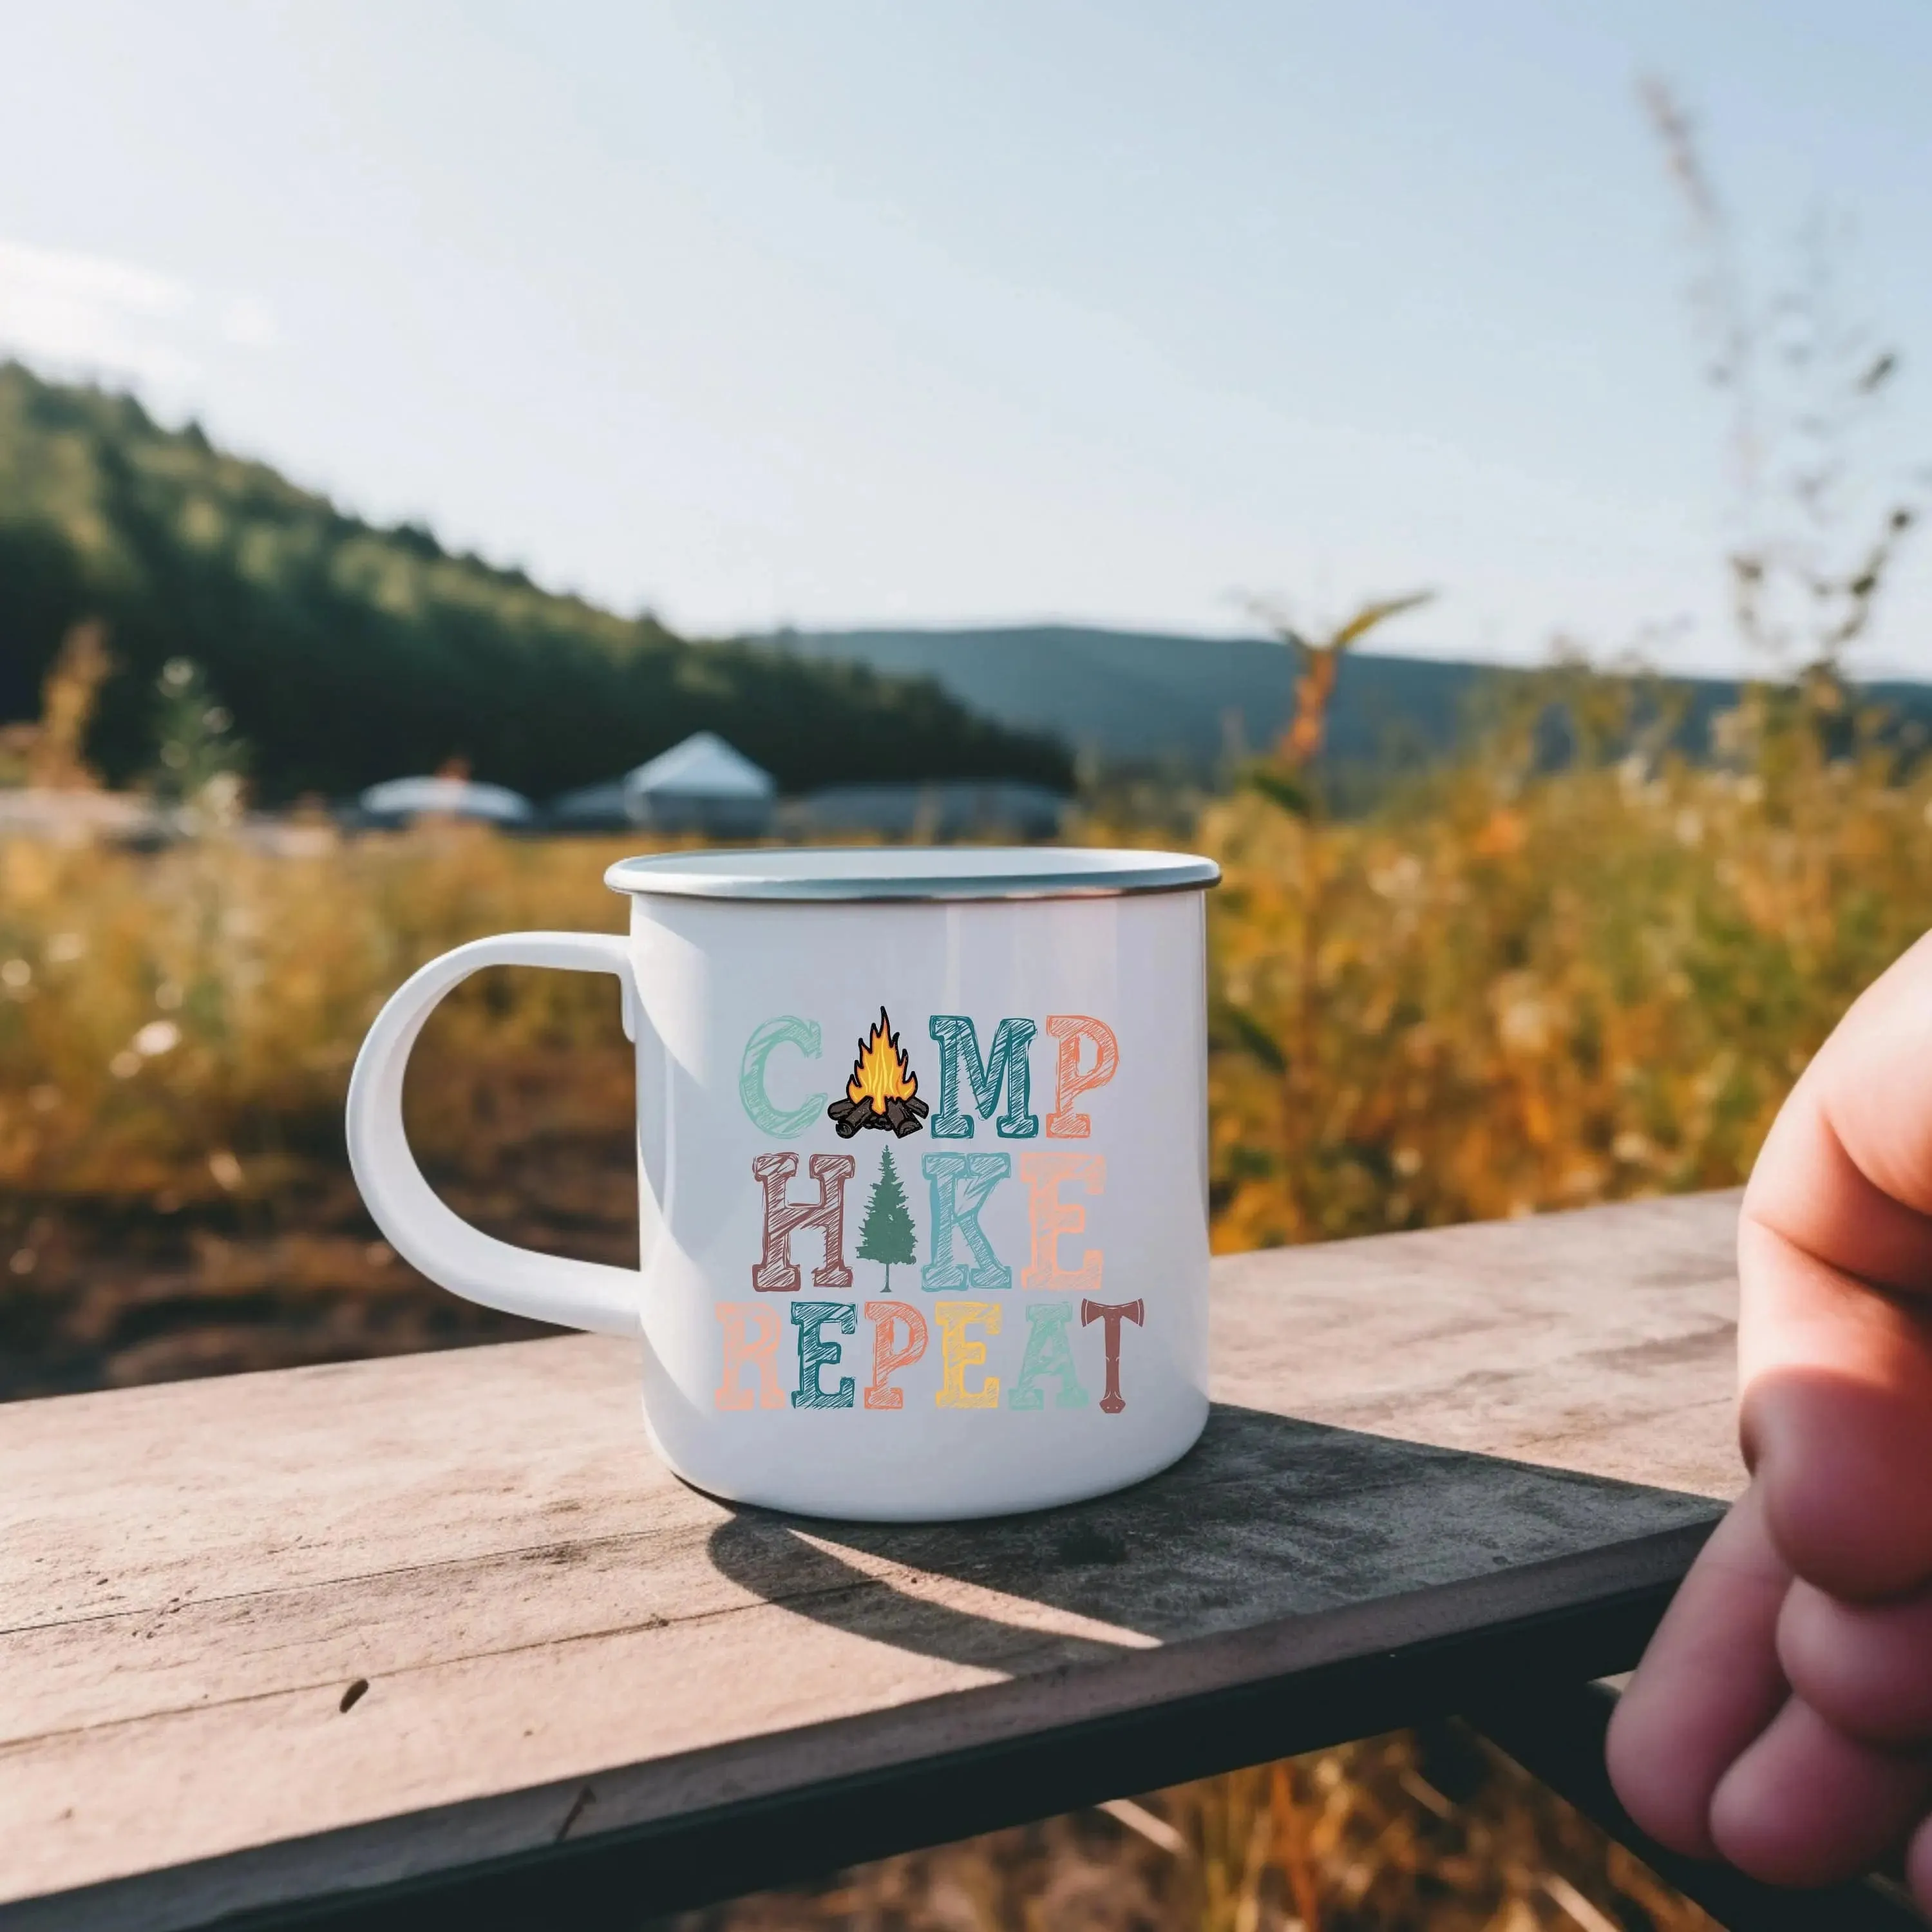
922, 1171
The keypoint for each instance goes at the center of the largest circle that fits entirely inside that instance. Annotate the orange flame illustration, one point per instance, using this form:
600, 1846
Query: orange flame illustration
882, 1071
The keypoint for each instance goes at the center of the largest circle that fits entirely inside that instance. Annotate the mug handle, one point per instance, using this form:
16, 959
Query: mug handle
426, 1234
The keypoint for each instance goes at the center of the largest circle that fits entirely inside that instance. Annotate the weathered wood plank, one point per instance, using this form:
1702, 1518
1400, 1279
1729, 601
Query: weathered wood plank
1603, 1342
191, 1576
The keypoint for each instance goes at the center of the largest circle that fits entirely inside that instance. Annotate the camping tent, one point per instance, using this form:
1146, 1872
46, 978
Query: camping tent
703, 785
401, 801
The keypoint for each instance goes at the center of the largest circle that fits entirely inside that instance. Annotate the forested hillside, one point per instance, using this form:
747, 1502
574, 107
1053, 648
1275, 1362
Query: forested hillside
348, 653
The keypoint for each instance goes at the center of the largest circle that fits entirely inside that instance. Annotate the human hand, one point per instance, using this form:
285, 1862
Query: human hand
1782, 1717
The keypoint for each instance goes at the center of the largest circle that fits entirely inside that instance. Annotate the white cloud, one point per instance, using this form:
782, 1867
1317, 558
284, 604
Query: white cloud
75, 313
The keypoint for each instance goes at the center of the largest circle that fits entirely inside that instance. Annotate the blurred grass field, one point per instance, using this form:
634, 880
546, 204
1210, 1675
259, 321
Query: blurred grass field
1510, 988
1515, 985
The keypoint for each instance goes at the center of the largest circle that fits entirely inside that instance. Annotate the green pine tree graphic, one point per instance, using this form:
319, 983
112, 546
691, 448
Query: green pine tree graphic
887, 1235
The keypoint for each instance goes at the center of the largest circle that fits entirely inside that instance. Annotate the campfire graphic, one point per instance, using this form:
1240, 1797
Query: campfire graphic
883, 1090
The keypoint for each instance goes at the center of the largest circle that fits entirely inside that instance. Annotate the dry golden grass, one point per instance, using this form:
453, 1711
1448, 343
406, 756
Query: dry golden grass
1505, 990
176, 1032
179, 1025
1512, 990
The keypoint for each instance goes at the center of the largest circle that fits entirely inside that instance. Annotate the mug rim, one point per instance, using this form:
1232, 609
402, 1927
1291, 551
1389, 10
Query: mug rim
861, 874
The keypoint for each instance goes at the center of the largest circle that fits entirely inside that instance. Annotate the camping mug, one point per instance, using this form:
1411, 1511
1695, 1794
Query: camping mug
922, 1171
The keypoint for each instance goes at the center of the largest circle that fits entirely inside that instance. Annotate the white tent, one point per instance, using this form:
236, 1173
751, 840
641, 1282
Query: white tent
398, 801
703, 766
703, 785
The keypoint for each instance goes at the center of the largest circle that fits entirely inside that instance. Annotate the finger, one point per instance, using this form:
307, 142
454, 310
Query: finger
1709, 1684
1846, 1173
1918, 1867
1837, 1419
1806, 1805
1865, 1668
1835, 1255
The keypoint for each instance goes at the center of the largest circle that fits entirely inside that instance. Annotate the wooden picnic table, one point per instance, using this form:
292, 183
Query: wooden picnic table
344, 1643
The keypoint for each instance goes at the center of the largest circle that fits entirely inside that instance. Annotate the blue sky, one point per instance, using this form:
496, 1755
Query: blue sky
843, 312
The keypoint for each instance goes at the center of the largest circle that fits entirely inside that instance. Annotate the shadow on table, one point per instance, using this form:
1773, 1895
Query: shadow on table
1266, 1518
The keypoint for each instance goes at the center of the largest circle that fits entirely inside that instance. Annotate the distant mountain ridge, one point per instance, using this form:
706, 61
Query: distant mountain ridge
349, 654
1150, 698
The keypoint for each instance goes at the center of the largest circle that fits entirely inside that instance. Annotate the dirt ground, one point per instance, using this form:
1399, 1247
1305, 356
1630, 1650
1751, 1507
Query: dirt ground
108, 1293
